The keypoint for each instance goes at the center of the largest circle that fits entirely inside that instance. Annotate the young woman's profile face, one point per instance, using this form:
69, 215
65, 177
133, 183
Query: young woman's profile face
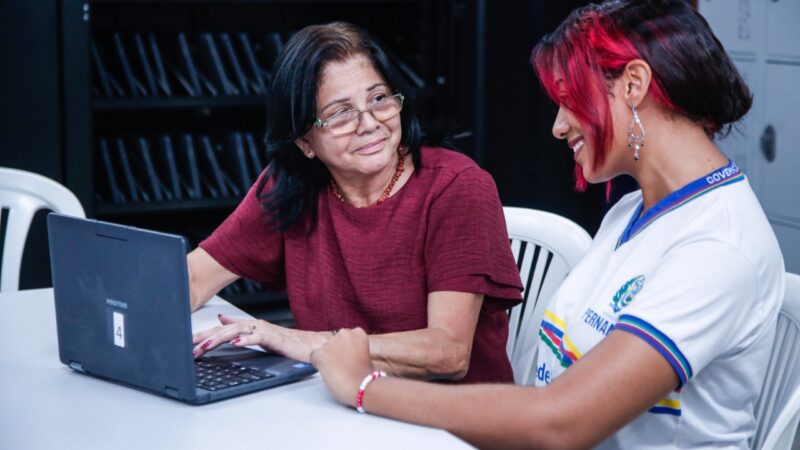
567, 127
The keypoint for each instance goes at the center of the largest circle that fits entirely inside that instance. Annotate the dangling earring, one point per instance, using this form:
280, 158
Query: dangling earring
635, 141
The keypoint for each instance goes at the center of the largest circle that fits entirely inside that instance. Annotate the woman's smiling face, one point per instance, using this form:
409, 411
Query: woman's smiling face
353, 84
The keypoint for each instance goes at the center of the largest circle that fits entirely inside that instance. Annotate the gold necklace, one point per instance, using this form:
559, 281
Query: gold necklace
398, 172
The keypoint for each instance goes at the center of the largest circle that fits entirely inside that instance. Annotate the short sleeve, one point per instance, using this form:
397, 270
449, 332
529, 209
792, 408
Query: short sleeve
246, 245
700, 302
467, 247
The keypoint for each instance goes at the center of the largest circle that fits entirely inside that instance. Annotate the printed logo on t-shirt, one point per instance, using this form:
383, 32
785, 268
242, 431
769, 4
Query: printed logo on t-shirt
544, 374
553, 335
597, 322
626, 293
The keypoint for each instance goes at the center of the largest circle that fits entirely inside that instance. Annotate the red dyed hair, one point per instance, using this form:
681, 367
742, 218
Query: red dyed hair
692, 74
589, 51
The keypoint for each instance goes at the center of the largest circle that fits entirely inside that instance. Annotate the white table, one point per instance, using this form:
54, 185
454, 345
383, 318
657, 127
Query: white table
45, 405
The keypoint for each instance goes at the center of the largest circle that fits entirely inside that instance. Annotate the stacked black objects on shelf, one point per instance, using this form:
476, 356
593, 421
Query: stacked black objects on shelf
242, 286
177, 167
146, 65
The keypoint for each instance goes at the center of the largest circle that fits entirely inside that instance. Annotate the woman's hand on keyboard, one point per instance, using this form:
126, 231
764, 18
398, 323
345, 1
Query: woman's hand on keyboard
295, 344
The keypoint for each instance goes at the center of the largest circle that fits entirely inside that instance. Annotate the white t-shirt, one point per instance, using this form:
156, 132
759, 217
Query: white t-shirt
699, 277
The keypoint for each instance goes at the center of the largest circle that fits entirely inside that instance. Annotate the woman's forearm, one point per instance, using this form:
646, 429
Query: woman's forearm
421, 354
206, 277
440, 351
425, 354
486, 416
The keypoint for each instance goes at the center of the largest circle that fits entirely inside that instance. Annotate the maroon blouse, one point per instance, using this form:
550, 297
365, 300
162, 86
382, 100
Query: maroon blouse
374, 267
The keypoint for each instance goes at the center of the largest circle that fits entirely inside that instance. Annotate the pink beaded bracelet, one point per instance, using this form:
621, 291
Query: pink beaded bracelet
367, 380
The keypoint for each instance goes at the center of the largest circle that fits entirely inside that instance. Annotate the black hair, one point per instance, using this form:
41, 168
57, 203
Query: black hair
291, 110
687, 59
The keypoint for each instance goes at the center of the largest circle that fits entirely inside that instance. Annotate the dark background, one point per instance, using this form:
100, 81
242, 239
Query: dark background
472, 57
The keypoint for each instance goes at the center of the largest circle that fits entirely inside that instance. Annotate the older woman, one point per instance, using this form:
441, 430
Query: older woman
363, 225
660, 337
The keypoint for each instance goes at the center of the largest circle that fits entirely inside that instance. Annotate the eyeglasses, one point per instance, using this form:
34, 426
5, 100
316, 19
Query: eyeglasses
346, 121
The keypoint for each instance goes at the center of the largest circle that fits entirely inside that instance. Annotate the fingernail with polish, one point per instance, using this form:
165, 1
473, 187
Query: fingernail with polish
236, 340
205, 346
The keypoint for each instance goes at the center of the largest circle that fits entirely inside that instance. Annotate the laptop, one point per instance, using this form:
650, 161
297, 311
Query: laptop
122, 314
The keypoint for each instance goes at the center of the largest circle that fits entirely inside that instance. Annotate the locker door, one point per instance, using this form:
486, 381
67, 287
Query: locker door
783, 32
743, 137
733, 21
788, 235
780, 181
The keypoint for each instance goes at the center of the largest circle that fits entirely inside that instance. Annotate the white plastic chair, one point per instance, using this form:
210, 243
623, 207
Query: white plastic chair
22, 194
547, 247
778, 407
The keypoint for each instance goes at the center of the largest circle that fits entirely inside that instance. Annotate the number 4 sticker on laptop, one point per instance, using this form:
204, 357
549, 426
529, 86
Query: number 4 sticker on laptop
119, 329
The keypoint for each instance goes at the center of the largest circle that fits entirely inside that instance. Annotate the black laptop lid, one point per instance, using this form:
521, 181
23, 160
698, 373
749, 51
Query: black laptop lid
122, 303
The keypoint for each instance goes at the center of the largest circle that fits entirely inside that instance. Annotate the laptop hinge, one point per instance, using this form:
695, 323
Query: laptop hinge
76, 366
172, 392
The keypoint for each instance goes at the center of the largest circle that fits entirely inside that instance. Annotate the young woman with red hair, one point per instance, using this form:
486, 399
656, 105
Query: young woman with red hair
660, 337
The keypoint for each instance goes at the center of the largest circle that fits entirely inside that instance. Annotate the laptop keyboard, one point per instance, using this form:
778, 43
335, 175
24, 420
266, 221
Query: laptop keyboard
214, 375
